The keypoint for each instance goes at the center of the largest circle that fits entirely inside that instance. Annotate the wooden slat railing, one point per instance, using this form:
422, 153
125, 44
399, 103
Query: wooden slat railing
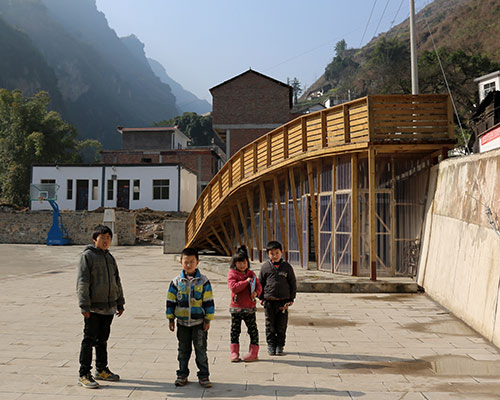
373, 119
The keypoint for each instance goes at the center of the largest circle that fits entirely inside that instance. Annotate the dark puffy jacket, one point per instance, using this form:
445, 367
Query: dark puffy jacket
98, 284
277, 283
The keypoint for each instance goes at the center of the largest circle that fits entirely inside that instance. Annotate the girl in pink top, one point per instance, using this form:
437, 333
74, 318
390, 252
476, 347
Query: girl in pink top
245, 287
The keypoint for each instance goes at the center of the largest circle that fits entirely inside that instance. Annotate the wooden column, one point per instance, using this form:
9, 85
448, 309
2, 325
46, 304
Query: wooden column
235, 225
265, 210
354, 215
372, 214
226, 235
244, 225
255, 234
298, 220
347, 127
214, 245
324, 142
228, 253
304, 133
334, 187
314, 211
287, 220
280, 213
393, 219
285, 142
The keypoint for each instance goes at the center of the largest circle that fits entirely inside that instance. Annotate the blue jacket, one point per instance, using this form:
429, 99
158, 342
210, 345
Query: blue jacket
190, 300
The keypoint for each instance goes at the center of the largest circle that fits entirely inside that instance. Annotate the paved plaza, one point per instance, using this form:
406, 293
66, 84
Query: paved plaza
339, 346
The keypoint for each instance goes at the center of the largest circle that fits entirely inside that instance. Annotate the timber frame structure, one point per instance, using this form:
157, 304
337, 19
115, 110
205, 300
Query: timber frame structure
296, 184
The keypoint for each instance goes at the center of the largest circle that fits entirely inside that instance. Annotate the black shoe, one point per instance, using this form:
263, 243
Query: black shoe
87, 381
279, 350
271, 350
181, 381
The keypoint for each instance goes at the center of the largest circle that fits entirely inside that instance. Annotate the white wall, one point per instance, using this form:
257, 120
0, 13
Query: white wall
61, 174
458, 264
145, 174
189, 190
180, 138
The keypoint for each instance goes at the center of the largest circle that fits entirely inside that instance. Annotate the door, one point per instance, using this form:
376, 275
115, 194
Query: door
123, 195
82, 194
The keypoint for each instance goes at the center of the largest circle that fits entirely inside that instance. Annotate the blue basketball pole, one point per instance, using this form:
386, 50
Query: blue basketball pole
58, 235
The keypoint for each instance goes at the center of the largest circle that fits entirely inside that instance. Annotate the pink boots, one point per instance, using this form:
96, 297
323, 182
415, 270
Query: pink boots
252, 353
235, 352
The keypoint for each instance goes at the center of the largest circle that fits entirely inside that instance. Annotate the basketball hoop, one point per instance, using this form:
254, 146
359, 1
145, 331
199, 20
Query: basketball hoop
41, 199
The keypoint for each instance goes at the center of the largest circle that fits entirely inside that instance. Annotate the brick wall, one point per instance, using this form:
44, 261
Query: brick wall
251, 99
241, 137
31, 227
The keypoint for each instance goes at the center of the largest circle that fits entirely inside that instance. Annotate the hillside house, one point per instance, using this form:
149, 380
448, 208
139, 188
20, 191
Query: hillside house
486, 123
247, 106
488, 83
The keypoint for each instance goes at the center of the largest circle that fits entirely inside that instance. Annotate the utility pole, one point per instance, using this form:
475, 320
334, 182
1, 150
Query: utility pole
413, 50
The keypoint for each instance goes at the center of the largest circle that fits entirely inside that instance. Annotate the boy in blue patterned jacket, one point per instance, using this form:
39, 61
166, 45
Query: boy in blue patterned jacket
190, 300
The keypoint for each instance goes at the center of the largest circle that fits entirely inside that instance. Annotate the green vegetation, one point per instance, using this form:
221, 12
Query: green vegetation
31, 134
197, 127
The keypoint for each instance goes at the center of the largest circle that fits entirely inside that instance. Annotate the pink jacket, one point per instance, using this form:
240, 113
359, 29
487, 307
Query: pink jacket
240, 288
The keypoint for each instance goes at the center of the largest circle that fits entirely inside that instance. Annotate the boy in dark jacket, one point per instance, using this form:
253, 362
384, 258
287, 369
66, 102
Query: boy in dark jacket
100, 297
279, 287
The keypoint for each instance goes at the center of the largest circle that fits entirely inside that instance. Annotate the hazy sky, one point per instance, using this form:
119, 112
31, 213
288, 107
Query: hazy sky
202, 43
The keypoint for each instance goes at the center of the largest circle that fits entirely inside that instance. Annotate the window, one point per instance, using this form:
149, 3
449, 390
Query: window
110, 189
95, 187
69, 189
489, 87
161, 188
137, 189
47, 181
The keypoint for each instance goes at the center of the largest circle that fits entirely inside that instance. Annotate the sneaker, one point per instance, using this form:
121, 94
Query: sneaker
271, 350
205, 382
279, 350
87, 381
181, 381
106, 375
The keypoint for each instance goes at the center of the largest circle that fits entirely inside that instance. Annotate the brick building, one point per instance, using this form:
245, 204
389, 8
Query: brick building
247, 106
165, 145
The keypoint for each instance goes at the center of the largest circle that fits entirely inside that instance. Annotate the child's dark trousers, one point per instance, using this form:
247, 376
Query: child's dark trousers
189, 336
95, 334
276, 322
250, 322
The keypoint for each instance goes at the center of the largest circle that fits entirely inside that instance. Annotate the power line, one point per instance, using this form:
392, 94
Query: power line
382, 16
396, 15
366, 27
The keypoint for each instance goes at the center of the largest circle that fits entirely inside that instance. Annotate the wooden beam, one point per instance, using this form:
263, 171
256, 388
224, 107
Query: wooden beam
303, 121
393, 219
235, 225
372, 214
268, 150
228, 240
314, 211
354, 215
242, 165
324, 130
230, 173
255, 234
254, 153
285, 142
277, 200
334, 187
265, 210
214, 245
287, 219
228, 253
244, 225
451, 130
347, 126
298, 220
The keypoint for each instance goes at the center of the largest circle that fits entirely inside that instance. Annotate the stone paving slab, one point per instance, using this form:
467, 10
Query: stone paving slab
345, 346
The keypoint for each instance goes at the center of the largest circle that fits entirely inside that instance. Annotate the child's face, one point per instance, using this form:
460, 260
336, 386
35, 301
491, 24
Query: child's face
189, 264
103, 241
275, 255
241, 265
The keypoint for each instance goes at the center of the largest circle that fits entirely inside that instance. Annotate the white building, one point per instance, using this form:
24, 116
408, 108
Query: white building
165, 187
488, 83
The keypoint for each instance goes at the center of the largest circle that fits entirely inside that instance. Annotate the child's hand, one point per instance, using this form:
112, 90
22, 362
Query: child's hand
171, 325
290, 304
249, 279
253, 295
86, 314
206, 326
120, 312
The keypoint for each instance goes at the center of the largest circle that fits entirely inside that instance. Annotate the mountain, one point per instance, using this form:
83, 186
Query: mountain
101, 83
469, 26
186, 101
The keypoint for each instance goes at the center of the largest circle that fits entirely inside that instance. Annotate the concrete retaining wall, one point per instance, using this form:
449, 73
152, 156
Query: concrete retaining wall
32, 226
459, 263
174, 237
